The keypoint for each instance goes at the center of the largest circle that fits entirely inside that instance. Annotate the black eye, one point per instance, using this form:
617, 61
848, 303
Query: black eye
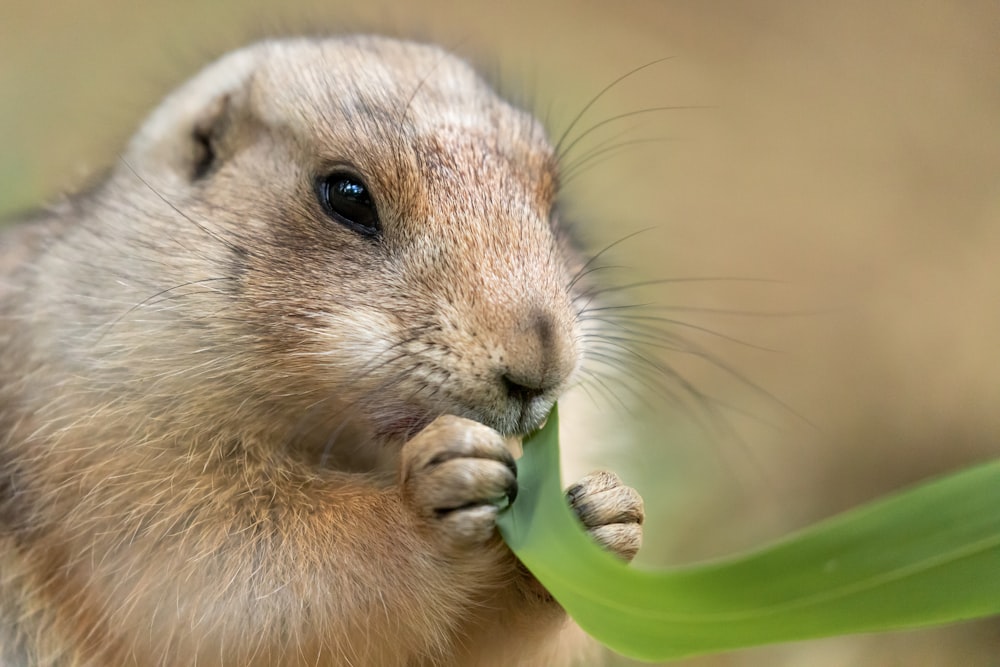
346, 199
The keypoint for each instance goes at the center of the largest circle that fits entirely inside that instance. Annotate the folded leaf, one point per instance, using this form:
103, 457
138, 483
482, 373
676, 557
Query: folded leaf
929, 555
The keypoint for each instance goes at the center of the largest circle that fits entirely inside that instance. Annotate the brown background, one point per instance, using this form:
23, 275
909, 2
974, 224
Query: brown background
849, 150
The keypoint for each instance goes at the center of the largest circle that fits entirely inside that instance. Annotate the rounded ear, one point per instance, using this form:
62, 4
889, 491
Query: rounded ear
206, 136
180, 140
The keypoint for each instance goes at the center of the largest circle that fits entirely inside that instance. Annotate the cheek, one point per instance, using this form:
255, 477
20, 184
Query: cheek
354, 348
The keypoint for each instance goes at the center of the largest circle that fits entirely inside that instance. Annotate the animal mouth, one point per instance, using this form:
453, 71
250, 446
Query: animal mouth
402, 422
533, 414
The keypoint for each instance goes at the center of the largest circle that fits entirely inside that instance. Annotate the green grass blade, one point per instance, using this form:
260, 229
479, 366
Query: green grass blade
930, 555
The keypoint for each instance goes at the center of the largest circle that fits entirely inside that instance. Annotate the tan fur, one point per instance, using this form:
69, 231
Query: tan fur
206, 383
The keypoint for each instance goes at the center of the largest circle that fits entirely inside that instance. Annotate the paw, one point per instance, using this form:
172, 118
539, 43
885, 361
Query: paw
611, 512
456, 476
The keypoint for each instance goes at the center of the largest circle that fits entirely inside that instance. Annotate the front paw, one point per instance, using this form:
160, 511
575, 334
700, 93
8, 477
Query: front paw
612, 512
456, 475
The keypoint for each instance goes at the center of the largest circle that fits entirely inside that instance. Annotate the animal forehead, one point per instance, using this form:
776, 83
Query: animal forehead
415, 89
505, 175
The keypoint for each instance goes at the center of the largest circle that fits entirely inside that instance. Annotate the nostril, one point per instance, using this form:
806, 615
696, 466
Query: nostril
519, 391
535, 358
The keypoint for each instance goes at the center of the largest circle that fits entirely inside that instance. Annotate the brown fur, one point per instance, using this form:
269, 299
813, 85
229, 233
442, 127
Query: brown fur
206, 383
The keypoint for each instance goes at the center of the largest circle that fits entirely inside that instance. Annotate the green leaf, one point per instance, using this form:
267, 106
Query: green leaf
929, 555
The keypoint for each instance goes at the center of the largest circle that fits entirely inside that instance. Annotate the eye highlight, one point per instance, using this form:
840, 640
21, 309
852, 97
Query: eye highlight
346, 199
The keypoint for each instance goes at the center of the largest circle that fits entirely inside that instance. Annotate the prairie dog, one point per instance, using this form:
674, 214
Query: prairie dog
254, 386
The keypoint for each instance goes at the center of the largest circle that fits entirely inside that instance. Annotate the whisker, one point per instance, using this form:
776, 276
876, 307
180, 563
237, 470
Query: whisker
582, 270
151, 297
693, 349
691, 279
576, 119
629, 114
654, 385
239, 250
324, 458
585, 162
657, 385
654, 335
606, 390
739, 313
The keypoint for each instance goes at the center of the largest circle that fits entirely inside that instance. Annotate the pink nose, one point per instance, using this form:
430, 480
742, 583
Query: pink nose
538, 359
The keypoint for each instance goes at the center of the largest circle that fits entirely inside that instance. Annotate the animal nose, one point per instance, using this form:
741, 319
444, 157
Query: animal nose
539, 357
519, 391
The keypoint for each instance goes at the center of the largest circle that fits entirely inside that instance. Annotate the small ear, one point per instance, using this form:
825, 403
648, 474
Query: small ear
206, 137
182, 140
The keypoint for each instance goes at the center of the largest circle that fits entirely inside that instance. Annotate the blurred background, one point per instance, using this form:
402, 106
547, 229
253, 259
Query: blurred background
841, 172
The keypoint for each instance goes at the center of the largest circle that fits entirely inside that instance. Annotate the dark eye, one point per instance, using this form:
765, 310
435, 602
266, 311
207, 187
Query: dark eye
346, 199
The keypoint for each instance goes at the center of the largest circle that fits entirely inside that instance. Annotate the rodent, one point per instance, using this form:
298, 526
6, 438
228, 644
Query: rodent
254, 385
